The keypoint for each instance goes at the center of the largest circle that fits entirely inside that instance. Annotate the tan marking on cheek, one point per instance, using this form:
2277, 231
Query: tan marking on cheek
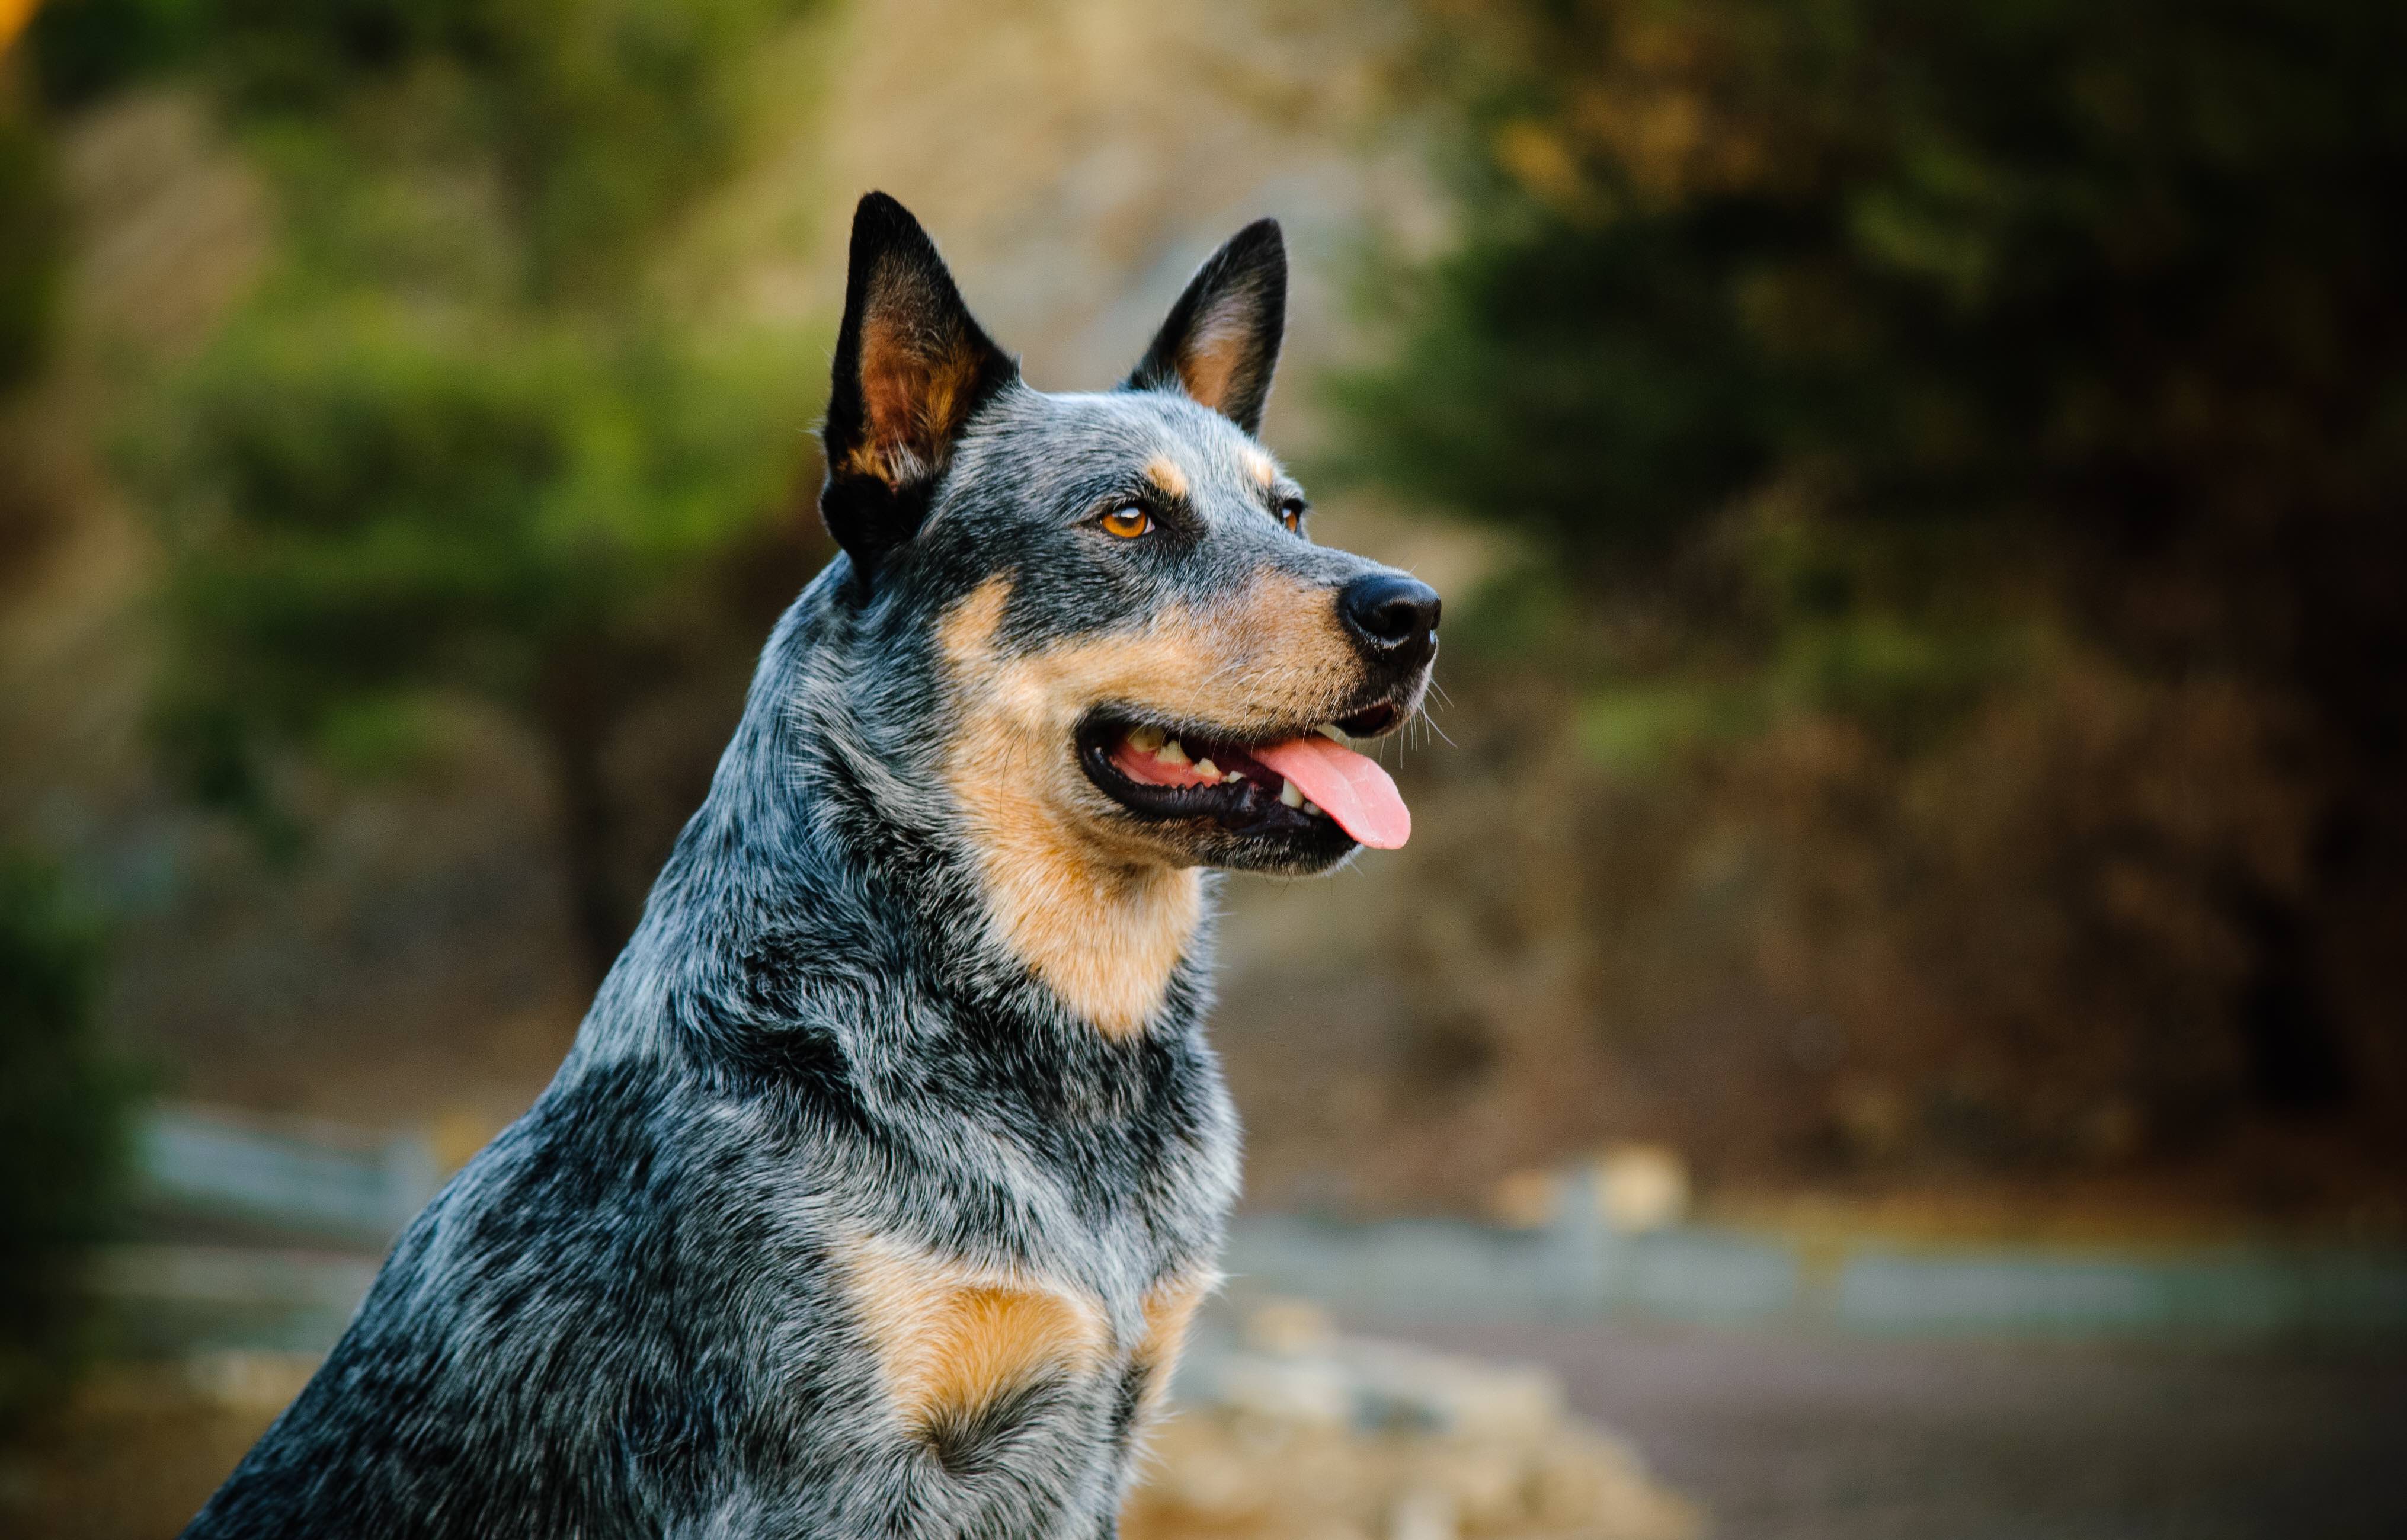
967, 632
951, 1339
1170, 1309
1099, 914
1163, 472
1102, 932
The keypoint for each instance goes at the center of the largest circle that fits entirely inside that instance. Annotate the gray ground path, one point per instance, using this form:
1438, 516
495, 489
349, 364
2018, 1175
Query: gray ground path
1788, 1437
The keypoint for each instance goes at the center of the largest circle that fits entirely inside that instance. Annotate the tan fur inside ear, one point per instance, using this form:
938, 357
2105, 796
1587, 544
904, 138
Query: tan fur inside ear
916, 388
1208, 368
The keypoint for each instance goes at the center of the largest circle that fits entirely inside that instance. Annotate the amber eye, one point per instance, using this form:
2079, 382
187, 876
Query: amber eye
1128, 522
1291, 514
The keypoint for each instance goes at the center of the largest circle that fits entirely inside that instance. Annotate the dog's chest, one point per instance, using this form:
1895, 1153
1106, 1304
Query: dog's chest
1045, 1311
967, 1356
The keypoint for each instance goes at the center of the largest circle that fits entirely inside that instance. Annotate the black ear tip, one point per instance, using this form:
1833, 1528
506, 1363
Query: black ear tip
880, 224
1260, 244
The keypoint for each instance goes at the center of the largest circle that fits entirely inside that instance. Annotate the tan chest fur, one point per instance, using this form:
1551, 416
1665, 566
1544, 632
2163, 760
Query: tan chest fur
952, 1340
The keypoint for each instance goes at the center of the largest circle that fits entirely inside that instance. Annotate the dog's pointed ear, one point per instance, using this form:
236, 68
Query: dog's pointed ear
911, 366
1221, 342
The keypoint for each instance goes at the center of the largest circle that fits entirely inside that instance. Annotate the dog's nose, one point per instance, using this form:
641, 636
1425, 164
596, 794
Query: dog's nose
1393, 613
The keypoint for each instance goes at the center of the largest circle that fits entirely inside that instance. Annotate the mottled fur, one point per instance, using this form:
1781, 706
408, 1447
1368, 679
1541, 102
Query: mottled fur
890, 1162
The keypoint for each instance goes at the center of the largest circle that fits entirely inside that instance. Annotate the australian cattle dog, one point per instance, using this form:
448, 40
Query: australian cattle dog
890, 1163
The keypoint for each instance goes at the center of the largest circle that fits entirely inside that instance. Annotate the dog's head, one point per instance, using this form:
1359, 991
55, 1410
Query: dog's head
1138, 658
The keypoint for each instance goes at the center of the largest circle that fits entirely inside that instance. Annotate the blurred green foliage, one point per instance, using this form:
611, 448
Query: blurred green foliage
457, 442
2010, 289
2066, 264
1848, 361
63, 1130
599, 119
367, 506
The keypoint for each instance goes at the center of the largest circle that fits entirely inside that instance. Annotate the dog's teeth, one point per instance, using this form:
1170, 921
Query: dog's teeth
1236, 775
1144, 740
1330, 731
1289, 794
1173, 753
1206, 769
1313, 807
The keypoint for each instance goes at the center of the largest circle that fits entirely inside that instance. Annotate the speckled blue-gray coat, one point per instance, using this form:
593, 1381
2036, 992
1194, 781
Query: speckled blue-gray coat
890, 1162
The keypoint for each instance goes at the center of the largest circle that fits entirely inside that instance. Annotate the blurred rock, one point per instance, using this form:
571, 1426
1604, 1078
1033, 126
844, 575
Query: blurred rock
1299, 1434
1525, 1200
1632, 1188
1640, 1188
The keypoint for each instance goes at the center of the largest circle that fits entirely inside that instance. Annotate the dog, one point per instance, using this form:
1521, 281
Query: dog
890, 1163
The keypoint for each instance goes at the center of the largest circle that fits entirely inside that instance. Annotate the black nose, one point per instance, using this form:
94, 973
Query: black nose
1393, 613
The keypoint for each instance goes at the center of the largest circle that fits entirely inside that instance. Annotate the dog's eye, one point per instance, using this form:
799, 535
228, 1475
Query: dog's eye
1128, 522
1291, 515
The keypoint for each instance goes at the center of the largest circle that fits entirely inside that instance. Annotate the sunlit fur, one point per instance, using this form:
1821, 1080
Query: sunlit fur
890, 1163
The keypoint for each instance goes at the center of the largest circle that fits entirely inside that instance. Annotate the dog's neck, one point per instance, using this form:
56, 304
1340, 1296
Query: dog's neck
1105, 939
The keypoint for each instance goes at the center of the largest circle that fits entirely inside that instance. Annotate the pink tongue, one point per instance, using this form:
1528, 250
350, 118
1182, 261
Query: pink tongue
1350, 787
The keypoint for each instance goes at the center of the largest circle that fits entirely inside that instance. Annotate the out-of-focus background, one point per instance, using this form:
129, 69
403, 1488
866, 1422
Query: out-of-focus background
1890, 1022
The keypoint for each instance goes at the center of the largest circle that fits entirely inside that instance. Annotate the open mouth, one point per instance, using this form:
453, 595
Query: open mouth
1291, 787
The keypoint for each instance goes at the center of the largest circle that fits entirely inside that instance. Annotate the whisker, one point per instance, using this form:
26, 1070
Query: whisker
1422, 715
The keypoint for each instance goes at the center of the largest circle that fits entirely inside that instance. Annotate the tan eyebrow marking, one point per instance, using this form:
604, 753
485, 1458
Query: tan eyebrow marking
1259, 463
1163, 472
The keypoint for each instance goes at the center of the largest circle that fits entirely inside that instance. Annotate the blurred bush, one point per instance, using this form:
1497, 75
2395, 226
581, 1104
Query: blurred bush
29, 244
62, 1107
1962, 442
368, 513
30, 258
458, 444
